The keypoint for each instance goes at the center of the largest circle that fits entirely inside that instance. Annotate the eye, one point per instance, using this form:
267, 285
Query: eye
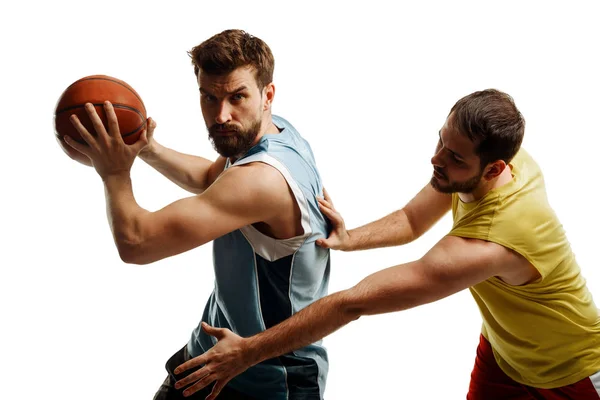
207, 98
457, 160
237, 97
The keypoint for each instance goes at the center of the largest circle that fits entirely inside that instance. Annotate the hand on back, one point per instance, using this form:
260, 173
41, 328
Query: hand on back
338, 238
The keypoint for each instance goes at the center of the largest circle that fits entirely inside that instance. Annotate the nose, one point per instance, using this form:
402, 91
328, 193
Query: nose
223, 113
436, 160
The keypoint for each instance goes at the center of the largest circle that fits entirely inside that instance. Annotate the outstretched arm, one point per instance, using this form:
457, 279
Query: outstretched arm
450, 266
398, 228
189, 172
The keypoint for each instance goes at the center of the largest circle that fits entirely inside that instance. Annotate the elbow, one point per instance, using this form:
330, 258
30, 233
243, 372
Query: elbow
194, 184
353, 314
350, 306
193, 188
131, 236
130, 253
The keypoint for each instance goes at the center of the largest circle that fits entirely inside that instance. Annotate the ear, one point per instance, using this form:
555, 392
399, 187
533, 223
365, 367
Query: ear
494, 169
268, 96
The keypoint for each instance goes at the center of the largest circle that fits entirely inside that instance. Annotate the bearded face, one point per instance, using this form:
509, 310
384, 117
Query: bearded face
231, 140
233, 107
441, 182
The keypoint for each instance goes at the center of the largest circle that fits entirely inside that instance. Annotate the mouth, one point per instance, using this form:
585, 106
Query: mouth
438, 175
224, 133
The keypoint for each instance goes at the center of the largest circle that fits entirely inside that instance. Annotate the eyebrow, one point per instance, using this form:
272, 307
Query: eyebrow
451, 151
237, 90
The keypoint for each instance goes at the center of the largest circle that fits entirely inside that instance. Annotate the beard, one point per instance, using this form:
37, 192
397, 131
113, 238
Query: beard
237, 141
446, 186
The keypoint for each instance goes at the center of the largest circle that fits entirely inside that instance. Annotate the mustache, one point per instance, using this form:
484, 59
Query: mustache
223, 127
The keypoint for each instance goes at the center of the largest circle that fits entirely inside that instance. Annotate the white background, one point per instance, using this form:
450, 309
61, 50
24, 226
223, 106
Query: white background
368, 84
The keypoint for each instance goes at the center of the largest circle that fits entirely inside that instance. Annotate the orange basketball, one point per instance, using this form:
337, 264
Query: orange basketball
97, 89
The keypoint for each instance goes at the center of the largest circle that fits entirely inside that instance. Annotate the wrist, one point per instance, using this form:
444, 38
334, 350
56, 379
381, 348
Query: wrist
252, 351
150, 152
116, 176
349, 244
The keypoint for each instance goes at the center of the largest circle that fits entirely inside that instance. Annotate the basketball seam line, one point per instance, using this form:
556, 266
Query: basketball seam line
110, 80
100, 105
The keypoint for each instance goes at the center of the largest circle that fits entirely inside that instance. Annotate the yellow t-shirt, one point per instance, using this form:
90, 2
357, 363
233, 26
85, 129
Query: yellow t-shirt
544, 334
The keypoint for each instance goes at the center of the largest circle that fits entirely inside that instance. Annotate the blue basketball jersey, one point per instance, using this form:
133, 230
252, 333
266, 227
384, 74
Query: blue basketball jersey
261, 281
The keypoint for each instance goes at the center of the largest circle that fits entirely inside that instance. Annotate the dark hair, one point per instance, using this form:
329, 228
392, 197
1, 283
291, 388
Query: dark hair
491, 118
231, 49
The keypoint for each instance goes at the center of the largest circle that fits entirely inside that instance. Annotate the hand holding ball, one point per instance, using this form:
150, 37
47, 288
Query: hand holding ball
96, 89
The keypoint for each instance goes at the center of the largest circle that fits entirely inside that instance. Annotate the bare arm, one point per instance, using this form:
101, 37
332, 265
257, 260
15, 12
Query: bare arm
450, 266
398, 228
237, 199
243, 195
189, 172
405, 225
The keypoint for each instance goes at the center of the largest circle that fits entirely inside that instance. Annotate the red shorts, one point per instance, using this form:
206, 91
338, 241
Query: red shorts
489, 382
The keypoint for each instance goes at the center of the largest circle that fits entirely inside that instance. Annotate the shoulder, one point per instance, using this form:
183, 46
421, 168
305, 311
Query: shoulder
253, 192
281, 122
251, 181
290, 131
258, 173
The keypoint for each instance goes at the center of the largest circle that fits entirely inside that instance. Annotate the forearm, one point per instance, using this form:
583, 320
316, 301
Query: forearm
187, 171
124, 214
389, 290
311, 324
392, 230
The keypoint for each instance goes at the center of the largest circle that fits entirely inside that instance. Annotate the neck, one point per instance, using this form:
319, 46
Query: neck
267, 127
483, 189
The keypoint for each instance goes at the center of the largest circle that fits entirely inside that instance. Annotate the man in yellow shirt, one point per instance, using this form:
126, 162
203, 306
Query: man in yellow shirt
540, 335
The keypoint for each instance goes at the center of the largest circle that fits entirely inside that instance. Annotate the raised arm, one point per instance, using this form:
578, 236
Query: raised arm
241, 196
400, 227
452, 265
189, 172
238, 198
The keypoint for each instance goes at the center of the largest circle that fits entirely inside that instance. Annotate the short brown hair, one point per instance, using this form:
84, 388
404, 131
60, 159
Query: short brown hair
226, 51
492, 118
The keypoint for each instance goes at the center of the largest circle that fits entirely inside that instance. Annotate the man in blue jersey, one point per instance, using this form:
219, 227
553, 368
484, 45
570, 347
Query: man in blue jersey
256, 202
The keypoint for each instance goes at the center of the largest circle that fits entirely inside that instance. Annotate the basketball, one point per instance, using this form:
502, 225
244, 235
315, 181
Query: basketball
96, 89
